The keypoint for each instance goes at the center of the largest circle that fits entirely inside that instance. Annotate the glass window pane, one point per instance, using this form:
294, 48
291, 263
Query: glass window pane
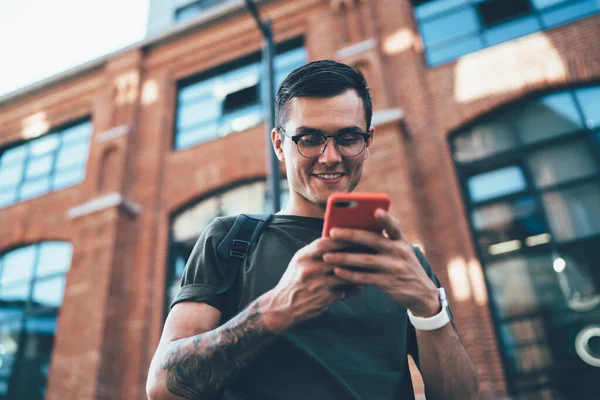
539, 4
18, 265
580, 278
561, 163
241, 119
433, 7
39, 332
549, 117
510, 30
10, 312
35, 188
63, 179
496, 183
78, 132
589, 99
569, 12
509, 226
200, 89
15, 294
455, 49
449, 26
202, 111
11, 174
15, 154
43, 145
574, 213
54, 257
75, 154
8, 195
39, 166
483, 140
290, 60
190, 137
48, 292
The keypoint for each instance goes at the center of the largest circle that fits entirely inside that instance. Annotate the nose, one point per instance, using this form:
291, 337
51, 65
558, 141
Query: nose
330, 155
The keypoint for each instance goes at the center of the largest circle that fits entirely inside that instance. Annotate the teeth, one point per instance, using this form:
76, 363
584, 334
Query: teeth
329, 176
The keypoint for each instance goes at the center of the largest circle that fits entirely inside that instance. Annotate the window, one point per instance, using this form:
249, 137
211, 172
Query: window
50, 162
452, 28
194, 8
187, 225
530, 175
32, 281
228, 98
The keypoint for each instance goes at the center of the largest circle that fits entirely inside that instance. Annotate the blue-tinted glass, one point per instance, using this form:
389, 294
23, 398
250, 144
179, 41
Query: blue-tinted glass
67, 178
74, 154
454, 50
48, 292
10, 312
54, 257
496, 183
511, 30
11, 174
449, 26
570, 12
436, 6
43, 145
16, 154
240, 119
8, 195
589, 99
18, 264
35, 188
539, 4
548, 117
203, 88
39, 166
239, 78
78, 132
198, 112
42, 324
15, 294
196, 135
290, 60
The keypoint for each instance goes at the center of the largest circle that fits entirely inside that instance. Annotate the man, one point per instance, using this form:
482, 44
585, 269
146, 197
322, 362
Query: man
312, 327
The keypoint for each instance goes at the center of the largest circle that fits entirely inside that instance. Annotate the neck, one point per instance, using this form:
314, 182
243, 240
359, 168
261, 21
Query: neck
302, 207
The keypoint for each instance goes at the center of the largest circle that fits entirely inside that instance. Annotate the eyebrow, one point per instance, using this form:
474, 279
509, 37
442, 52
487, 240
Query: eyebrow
303, 130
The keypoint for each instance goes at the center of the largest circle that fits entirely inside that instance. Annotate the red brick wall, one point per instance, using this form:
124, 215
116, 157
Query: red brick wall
113, 307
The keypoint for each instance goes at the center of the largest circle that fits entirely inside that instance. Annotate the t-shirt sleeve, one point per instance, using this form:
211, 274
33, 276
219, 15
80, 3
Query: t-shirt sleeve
411, 336
203, 273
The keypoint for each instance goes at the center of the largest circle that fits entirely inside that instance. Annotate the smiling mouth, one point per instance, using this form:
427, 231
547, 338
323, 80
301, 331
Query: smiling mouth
329, 177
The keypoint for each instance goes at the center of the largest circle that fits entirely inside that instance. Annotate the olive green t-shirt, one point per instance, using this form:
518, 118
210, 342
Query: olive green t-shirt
357, 349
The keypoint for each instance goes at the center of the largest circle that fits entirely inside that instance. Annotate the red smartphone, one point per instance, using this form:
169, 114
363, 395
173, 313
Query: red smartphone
354, 210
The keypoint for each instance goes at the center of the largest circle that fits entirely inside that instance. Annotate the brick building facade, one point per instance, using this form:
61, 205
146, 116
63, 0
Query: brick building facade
148, 165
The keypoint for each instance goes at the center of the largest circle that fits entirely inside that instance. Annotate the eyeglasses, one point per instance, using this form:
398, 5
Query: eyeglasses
312, 145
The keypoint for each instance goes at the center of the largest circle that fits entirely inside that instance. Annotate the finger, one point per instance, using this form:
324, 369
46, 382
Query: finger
374, 262
362, 277
317, 248
361, 238
390, 225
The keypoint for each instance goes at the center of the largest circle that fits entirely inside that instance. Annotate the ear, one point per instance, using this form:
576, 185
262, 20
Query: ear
277, 144
369, 141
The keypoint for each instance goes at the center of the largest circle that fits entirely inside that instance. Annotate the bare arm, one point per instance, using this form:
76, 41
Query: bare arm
448, 371
196, 359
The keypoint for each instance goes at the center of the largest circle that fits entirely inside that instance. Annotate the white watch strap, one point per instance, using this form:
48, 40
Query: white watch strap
435, 322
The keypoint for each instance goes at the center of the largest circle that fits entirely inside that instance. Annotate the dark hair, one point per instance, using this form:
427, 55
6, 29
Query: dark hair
323, 78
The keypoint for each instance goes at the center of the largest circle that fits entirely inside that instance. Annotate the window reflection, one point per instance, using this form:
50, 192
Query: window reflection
496, 183
227, 101
32, 280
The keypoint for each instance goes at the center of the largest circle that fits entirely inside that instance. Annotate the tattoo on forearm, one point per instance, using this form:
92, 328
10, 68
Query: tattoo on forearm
206, 363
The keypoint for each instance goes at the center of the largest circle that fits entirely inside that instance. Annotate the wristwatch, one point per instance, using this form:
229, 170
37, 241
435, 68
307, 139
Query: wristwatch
435, 322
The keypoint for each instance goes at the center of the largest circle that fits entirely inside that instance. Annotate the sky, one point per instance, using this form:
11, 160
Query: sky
40, 38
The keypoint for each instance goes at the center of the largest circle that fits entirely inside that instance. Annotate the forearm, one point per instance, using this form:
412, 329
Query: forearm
202, 365
448, 371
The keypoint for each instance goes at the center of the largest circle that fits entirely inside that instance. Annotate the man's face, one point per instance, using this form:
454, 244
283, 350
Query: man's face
312, 180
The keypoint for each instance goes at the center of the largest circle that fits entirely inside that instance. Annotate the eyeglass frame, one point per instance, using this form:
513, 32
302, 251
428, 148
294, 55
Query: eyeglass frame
366, 136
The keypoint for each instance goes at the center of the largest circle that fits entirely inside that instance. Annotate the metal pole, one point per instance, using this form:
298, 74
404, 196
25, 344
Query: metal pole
273, 176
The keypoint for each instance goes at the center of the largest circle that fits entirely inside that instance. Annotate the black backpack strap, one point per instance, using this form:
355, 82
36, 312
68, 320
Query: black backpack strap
235, 245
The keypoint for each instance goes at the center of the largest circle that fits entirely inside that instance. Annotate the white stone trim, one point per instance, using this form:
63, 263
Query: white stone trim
113, 133
102, 203
357, 48
386, 116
